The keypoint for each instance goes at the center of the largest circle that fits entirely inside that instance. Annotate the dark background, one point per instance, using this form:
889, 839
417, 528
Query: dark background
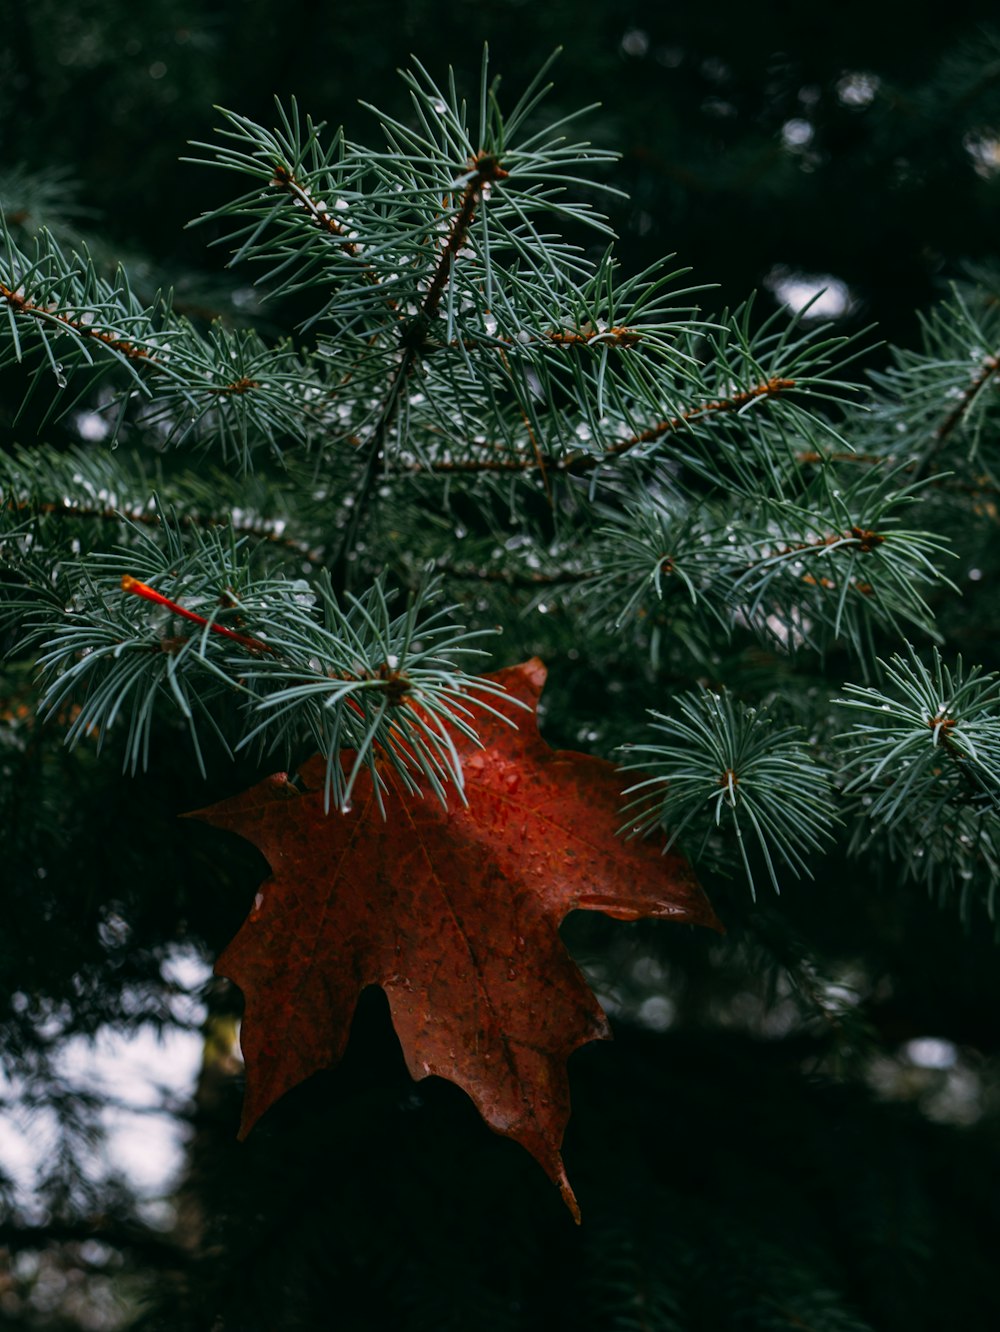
717, 1173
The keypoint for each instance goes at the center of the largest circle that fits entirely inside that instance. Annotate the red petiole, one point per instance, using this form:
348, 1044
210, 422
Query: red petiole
130, 584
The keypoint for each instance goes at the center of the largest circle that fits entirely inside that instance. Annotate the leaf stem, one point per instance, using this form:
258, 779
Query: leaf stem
130, 584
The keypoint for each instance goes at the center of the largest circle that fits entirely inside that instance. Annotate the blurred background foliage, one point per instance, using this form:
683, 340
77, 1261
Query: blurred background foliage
808, 1144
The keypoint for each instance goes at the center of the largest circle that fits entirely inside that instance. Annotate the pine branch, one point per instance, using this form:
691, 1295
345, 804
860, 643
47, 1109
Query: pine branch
68, 500
338, 680
582, 462
720, 760
934, 403
923, 771
683, 478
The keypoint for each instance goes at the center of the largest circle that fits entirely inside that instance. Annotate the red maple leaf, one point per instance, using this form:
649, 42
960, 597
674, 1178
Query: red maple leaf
453, 911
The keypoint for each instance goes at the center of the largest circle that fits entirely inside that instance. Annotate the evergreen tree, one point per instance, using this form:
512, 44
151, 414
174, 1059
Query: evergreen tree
434, 425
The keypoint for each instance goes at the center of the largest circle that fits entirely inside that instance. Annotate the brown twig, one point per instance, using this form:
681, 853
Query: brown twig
151, 518
866, 541
238, 386
618, 336
988, 367
315, 209
581, 461
486, 169
44, 314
